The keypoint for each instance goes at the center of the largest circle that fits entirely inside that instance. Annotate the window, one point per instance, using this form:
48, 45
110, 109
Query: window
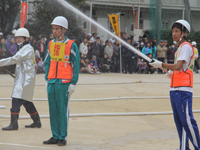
165, 25
132, 27
84, 25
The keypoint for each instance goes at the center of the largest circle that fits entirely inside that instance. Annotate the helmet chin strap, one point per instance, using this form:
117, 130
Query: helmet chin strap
180, 39
19, 44
62, 34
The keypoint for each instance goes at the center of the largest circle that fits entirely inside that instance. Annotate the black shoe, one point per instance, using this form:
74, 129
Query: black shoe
36, 122
62, 142
13, 123
51, 141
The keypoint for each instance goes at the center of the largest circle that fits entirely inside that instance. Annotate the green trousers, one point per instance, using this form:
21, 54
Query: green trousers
58, 109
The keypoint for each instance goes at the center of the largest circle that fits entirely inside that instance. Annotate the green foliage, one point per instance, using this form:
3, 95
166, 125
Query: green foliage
167, 35
8, 13
44, 13
77, 3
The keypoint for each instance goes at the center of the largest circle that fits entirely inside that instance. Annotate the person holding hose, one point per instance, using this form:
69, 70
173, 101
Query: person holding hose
23, 89
181, 87
62, 71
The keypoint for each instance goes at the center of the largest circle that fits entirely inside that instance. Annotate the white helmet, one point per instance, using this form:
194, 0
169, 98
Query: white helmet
184, 23
89, 34
194, 43
60, 21
22, 32
14, 31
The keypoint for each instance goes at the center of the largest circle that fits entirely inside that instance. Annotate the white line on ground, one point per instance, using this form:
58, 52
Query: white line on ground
23, 145
104, 99
107, 114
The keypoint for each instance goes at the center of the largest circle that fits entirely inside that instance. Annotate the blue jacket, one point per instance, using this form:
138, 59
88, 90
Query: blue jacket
154, 52
146, 50
95, 63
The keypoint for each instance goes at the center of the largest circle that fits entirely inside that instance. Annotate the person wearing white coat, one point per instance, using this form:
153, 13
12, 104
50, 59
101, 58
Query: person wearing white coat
24, 83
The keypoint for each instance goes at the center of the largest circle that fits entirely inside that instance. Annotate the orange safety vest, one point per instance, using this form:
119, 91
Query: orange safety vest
60, 67
183, 78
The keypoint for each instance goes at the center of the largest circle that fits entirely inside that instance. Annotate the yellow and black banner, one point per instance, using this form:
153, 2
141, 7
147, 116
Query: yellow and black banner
114, 19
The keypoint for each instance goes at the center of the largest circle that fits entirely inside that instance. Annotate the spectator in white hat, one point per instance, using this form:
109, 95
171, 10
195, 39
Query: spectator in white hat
89, 36
196, 55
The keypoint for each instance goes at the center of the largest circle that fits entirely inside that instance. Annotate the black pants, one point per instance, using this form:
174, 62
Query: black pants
128, 64
196, 64
42, 55
104, 69
115, 66
162, 60
17, 103
135, 62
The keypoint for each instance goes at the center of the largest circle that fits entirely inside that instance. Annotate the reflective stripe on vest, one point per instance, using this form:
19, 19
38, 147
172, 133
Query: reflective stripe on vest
60, 67
183, 78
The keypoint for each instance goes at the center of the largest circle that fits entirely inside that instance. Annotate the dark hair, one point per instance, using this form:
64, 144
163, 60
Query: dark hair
179, 26
93, 34
97, 37
92, 62
105, 54
149, 54
12, 38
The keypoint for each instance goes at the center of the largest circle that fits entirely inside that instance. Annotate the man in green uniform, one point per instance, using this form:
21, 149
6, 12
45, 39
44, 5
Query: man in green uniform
62, 72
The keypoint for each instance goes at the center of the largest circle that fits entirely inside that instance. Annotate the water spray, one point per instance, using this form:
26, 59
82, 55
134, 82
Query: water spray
70, 7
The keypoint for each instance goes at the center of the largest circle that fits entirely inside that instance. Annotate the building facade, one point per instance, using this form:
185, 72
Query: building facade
136, 15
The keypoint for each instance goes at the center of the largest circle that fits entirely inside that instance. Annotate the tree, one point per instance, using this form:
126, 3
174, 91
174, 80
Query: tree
9, 10
44, 13
188, 13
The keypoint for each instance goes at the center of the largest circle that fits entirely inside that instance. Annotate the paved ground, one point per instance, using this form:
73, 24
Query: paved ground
150, 132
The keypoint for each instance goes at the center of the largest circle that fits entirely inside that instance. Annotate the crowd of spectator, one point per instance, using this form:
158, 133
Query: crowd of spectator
99, 56
105, 56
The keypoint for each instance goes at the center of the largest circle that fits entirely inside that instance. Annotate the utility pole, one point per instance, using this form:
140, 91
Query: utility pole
158, 19
188, 13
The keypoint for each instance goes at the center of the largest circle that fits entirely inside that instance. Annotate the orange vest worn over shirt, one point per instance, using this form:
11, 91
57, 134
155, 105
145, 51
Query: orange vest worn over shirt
183, 78
60, 67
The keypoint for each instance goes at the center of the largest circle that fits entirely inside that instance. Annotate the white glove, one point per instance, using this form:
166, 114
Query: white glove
71, 89
169, 74
156, 64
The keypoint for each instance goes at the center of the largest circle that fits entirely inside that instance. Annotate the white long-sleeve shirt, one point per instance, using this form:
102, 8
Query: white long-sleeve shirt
83, 48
